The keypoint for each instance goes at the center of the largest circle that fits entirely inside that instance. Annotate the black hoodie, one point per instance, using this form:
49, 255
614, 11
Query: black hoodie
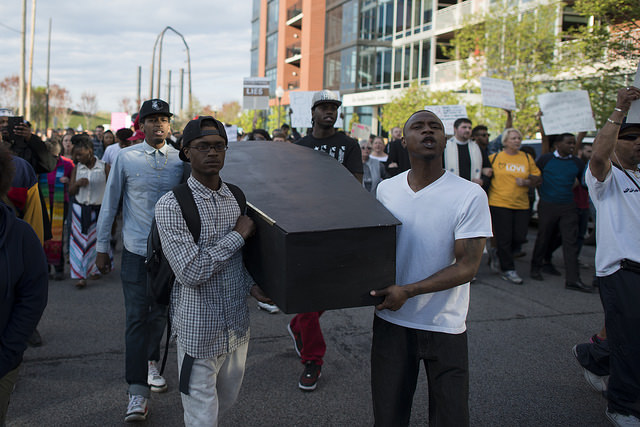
24, 286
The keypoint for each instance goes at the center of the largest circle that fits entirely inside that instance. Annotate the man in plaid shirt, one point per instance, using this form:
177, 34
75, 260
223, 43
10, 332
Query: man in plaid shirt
209, 312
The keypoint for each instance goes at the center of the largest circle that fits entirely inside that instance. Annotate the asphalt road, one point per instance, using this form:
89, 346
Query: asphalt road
522, 371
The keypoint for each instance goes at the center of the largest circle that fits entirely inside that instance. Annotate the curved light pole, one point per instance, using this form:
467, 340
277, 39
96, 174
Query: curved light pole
160, 39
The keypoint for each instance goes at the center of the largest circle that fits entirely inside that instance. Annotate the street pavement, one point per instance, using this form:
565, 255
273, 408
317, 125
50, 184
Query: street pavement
522, 372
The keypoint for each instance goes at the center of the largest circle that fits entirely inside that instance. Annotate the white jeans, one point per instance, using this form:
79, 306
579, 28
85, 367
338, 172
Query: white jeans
213, 387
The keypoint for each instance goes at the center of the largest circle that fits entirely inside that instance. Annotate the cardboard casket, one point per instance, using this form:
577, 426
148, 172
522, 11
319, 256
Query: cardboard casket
322, 241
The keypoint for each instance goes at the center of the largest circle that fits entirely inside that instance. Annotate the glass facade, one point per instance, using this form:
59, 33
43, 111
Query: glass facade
271, 56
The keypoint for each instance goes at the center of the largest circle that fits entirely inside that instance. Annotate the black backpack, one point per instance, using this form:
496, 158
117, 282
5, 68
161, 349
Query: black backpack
160, 277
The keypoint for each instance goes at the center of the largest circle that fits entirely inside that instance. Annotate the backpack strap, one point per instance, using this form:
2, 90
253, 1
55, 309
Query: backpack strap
240, 197
190, 213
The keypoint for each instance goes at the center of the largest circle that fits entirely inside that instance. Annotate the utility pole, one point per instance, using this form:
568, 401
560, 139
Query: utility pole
181, 89
169, 87
139, 101
46, 111
30, 79
23, 49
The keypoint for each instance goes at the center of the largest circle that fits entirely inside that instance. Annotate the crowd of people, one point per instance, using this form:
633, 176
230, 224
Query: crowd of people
73, 189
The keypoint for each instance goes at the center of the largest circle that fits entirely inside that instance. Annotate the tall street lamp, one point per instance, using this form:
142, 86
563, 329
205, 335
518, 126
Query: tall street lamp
279, 95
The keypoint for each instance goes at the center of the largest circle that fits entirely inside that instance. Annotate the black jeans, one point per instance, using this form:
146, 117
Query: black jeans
620, 293
396, 353
563, 216
510, 230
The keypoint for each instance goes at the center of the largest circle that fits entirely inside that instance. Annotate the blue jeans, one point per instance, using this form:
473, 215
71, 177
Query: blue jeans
145, 323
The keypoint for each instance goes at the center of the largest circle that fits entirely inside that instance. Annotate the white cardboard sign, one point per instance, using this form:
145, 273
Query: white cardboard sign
300, 104
360, 131
448, 114
497, 93
633, 116
566, 112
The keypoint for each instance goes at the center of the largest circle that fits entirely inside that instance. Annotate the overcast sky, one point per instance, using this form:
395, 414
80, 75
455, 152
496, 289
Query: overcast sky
97, 46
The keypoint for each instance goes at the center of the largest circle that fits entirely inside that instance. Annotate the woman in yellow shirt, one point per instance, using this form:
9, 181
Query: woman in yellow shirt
513, 173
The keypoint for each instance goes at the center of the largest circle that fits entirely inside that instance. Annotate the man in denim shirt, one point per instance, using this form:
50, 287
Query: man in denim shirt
141, 174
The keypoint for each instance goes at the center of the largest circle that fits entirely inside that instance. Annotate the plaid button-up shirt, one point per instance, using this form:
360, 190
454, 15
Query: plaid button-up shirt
208, 307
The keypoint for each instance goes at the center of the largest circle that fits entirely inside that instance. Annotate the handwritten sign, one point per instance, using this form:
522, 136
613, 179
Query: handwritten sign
566, 112
497, 93
300, 104
232, 132
360, 131
448, 114
255, 93
119, 121
634, 112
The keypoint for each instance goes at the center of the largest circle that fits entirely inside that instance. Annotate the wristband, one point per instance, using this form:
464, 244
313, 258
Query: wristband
615, 123
617, 109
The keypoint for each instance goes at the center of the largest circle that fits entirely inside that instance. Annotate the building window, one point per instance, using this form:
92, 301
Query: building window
383, 67
397, 65
332, 71
426, 59
256, 9
342, 24
255, 33
272, 15
271, 75
254, 62
272, 49
407, 63
348, 72
367, 67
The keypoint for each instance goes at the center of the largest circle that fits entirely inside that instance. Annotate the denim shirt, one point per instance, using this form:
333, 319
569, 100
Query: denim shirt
141, 175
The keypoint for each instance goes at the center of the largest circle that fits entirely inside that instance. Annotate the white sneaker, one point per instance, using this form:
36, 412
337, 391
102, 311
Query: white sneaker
512, 276
595, 381
270, 308
622, 420
156, 381
137, 409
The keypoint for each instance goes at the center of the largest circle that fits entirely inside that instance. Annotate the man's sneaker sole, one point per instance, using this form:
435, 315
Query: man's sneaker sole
295, 342
309, 387
595, 381
158, 389
136, 416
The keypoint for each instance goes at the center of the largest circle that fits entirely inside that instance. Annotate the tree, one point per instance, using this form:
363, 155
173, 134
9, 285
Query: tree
229, 112
126, 105
9, 90
603, 56
88, 106
60, 104
415, 98
512, 45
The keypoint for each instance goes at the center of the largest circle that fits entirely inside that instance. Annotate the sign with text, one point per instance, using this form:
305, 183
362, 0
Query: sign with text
300, 104
566, 112
448, 114
360, 131
634, 112
255, 93
497, 93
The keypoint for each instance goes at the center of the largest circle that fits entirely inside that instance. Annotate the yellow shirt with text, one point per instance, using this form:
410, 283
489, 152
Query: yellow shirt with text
504, 192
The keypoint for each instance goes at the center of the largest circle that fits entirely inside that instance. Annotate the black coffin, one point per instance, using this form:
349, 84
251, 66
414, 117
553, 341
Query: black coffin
322, 241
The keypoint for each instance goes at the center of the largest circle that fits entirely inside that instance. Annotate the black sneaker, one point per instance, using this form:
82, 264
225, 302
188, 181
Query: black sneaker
535, 274
297, 340
309, 378
579, 286
35, 340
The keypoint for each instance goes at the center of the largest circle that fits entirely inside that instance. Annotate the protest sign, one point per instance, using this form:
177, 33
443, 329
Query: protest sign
300, 104
232, 132
634, 112
255, 93
497, 93
119, 121
448, 114
360, 131
566, 112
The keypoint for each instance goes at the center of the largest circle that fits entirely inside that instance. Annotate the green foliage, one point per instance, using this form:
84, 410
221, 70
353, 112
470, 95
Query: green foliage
272, 123
510, 45
355, 118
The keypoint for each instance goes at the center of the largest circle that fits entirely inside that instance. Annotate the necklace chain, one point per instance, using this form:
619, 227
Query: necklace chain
166, 159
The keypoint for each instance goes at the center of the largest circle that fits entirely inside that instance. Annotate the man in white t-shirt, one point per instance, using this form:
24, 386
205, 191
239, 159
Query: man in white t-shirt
445, 222
613, 180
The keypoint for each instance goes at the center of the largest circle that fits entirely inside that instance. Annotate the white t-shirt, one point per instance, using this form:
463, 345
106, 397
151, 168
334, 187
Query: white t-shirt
110, 153
449, 209
617, 203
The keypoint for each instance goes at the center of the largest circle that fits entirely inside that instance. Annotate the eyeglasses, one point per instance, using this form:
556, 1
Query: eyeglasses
630, 137
206, 148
